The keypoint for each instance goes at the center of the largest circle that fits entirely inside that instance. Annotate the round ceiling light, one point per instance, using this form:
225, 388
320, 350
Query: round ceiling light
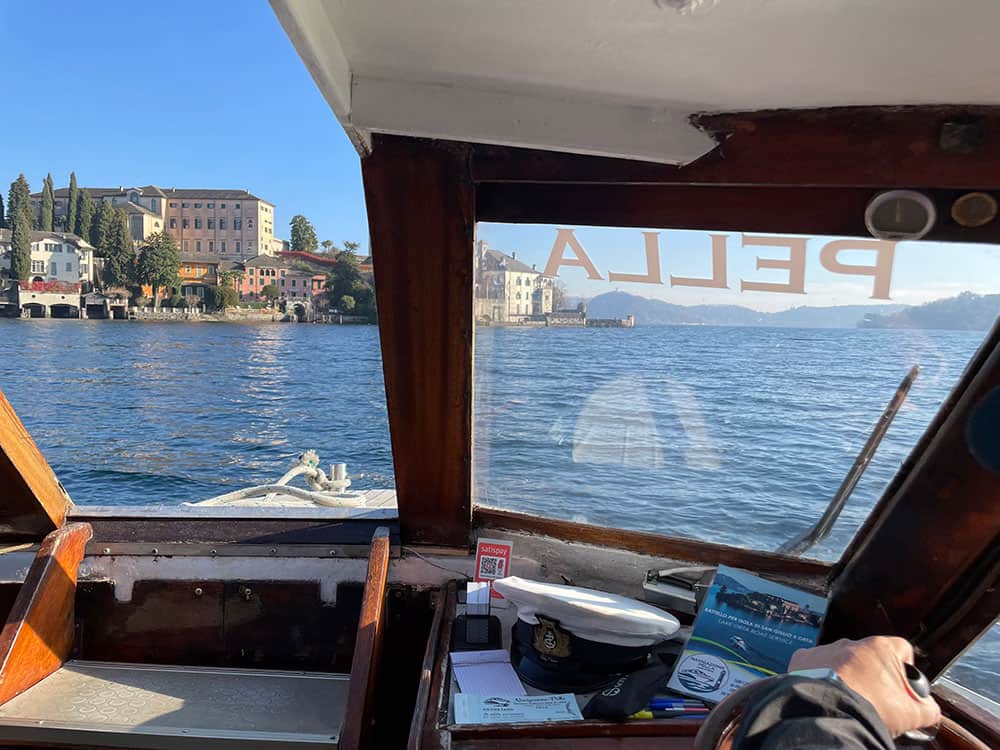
974, 209
900, 215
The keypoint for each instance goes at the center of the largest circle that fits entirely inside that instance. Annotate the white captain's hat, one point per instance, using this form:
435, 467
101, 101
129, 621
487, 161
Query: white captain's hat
572, 639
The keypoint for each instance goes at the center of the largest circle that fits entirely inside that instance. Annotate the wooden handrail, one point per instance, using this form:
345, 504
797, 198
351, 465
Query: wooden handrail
38, 633
367, 647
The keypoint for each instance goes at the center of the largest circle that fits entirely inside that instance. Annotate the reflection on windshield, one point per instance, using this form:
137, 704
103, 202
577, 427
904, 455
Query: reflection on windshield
736, 406
757, 370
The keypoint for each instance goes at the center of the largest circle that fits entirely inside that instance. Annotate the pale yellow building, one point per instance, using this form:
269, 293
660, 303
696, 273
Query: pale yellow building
231, 225
508, 290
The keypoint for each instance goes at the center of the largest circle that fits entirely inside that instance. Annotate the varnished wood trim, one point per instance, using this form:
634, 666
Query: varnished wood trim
34, 503
964, 614
367, 647
974, 718
649, 544
832, 211
421, 216
837, 211
878, 147
576, 743
578, 729
927, 567
953, 736
437, 704
420, 706
224, 531
38, 633
889, 497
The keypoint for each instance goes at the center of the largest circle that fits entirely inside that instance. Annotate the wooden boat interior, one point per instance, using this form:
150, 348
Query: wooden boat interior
330, 627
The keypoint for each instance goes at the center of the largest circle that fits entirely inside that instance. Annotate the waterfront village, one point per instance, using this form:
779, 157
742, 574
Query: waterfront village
152, 253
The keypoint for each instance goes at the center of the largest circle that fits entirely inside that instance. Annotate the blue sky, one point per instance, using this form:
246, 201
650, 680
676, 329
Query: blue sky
922, 271
212, 94
182, 94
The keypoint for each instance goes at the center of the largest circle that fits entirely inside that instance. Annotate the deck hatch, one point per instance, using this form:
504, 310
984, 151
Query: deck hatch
169, 707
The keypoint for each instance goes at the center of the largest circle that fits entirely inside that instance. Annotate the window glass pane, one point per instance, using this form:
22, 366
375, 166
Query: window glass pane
170, 410
734, 408
978, 669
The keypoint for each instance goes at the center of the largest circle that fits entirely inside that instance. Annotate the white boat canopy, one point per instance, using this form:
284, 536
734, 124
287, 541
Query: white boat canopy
622, 77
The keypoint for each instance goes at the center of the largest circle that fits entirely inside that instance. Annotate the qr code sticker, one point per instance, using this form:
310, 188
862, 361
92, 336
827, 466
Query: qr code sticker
491, 567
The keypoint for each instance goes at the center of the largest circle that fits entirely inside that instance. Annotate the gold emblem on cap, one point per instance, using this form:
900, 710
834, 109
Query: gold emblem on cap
549, 640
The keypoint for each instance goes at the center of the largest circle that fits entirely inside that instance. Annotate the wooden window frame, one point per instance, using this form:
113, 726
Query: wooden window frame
785, 172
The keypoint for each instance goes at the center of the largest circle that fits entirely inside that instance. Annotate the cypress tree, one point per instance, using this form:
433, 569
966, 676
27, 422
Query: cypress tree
19, 216
119, 268
2, 223
72, 204
20, 243
47, 212
84, 216
18, 197
102, 229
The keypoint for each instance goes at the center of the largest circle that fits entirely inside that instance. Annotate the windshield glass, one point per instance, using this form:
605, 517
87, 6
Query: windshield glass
978, 669
718, 386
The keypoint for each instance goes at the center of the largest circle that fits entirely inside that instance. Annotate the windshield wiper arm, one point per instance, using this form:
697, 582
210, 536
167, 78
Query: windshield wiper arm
819, 532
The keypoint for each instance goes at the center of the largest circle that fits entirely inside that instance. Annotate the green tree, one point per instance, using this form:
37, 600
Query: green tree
72, 204
19, 217
303, 234
270, 292
347, 303
20, 243
222, 297
119, 265
210, 300
351, 247
84, 217
229, 278
345, 278
47, 211
327, 245
19, 197
102, 229
158, 263
346, 281
2, 222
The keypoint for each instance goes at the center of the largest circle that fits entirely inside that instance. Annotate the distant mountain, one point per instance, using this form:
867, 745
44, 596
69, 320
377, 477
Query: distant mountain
651, 312
966, 312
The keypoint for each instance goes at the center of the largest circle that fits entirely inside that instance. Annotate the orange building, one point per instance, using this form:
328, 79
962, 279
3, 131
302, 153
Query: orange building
197, 273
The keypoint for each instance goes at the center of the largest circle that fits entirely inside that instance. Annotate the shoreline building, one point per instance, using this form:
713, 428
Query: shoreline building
62, 268
196, 273
55, 257
292, 281
508, 290
232, 225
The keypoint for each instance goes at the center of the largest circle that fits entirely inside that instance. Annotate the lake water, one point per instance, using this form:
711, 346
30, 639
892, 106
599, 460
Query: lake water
737, 435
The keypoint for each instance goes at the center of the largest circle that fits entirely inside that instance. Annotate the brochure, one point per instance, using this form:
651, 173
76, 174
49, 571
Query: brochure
479, 709
747, 629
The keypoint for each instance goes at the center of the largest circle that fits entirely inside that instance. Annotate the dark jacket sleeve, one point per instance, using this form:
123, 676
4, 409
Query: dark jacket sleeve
809, 714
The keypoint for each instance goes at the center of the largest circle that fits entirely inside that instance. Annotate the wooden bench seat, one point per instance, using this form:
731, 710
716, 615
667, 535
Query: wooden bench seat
47, 700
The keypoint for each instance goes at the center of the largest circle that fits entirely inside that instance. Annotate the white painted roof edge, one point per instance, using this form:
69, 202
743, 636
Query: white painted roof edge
314, 38
554, 121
